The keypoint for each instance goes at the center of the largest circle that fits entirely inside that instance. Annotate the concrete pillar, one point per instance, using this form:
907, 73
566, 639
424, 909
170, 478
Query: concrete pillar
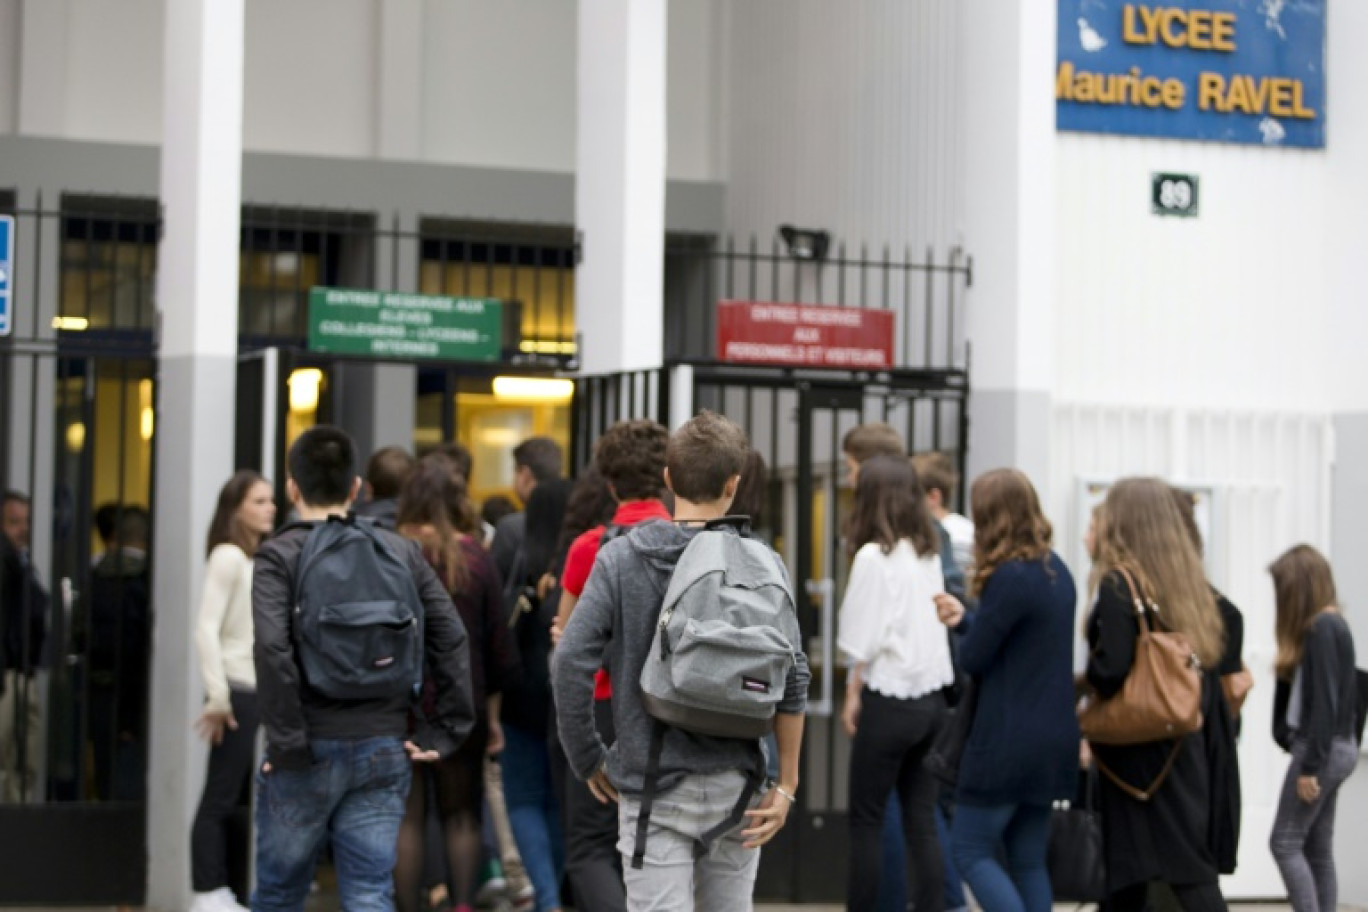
1008, 53
620, 184
197, 294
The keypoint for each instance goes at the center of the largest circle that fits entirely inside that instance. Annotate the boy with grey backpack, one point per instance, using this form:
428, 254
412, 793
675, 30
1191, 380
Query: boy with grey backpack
703, 618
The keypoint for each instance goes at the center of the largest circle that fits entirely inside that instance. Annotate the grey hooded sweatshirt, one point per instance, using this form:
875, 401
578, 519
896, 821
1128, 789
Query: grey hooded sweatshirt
612, 627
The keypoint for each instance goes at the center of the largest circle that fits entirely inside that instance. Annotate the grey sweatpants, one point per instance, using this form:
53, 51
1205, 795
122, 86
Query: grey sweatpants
1303, 840
671, 880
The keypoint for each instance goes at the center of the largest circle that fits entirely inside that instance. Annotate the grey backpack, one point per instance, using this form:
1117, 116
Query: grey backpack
358, 624
720, 658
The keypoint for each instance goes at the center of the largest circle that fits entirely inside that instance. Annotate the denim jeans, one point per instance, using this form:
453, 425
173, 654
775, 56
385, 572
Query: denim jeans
1303, 840
1019, 833
893, 885
353, 793
534, 812
671, 878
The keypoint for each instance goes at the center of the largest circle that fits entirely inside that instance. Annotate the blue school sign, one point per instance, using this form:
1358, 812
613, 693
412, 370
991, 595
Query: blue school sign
1241, 71
6, 273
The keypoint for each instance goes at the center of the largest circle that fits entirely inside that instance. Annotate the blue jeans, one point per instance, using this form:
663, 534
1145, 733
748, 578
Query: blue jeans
893, 886
534, 812
354, 793
1020, 832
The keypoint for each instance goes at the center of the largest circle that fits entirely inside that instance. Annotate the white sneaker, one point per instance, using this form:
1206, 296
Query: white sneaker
220, 900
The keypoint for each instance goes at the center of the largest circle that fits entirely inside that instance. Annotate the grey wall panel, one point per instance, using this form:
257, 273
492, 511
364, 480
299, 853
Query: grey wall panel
54, 166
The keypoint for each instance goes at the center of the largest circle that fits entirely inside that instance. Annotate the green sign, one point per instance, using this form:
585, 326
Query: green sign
388, 324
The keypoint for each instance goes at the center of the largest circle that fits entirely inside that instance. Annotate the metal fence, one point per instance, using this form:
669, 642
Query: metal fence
926, 293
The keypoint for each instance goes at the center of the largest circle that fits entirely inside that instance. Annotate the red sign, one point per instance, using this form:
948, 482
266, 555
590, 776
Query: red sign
804, 335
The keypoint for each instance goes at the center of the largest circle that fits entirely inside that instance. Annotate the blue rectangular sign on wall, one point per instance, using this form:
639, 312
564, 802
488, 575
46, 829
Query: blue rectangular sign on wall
1240, 71
6, 272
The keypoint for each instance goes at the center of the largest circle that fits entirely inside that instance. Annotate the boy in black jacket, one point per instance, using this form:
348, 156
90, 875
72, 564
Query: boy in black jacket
340, 768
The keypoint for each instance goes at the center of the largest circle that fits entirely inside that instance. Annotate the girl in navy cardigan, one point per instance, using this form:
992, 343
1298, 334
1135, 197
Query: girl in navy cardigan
1022, 752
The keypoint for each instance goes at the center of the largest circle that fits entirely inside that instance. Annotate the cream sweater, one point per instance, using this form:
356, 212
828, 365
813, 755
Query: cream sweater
223, 635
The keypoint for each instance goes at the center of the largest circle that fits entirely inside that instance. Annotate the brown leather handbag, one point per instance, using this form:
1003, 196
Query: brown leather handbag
1162, 696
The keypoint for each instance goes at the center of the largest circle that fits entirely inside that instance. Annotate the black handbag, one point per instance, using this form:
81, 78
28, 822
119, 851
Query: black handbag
943, 758
1078, 869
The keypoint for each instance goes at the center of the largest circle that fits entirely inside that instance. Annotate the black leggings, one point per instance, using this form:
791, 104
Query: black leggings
893, 737
1203, 897
227, 787
458, 785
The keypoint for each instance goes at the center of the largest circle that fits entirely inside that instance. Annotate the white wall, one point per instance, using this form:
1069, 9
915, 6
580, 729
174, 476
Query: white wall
497, 80
310, 77
1225, 309
114, 70
845, 117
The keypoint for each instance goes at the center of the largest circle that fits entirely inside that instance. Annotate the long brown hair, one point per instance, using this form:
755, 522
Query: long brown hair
1008, 524
226, 528
429, 506
1303, 587
889, 506
1141, 530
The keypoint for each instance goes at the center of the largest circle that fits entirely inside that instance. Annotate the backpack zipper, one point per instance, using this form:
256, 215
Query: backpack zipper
665, 633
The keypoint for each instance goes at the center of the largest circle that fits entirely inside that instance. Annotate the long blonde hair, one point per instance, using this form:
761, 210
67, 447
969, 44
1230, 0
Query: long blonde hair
1303, 587
1140, 530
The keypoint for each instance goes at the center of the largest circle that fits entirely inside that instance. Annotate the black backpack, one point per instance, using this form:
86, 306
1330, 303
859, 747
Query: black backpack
358, 620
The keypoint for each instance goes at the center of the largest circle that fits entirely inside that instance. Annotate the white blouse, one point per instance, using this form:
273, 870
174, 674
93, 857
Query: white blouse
888, 621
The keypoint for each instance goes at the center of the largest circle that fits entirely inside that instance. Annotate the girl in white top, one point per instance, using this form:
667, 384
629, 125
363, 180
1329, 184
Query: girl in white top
894, 701
223, 638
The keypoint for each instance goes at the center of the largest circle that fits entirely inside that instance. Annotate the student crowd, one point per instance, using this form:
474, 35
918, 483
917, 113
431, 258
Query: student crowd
535, 626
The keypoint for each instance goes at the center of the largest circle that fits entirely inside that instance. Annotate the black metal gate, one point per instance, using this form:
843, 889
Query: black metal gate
796, 419
78, 426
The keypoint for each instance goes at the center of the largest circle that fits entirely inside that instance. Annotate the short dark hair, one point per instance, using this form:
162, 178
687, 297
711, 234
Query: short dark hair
937, 473
541, 455
631, 456
704, 454
495, 508
866, 441
322, 463
134, 527
458, 454
389, 467
12, 496
106, 518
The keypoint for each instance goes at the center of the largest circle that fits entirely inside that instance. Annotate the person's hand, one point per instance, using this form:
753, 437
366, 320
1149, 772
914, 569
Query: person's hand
556, 633
602, 787
850, 713
495, 745
768, 818
545, 585
266, 768
212, 723
418, 755
1308, 789
949, 609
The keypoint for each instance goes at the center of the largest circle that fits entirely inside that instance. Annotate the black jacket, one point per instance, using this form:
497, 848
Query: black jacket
293, 714
23, 612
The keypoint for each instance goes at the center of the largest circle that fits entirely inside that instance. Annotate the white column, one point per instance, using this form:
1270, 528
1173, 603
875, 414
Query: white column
197, 295
620, 184
399, 80
1009, 227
